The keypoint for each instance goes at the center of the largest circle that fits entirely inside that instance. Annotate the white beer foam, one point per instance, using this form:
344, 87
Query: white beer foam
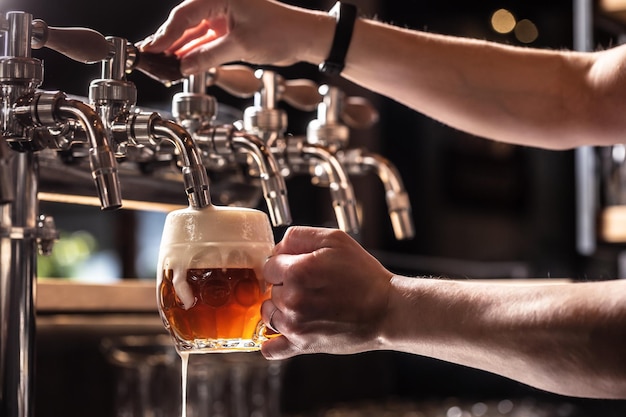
212, 237
216, 224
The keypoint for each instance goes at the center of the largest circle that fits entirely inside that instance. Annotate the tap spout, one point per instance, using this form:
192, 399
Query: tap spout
50, 109
341, 191
195, 177
272, 182
101, 157
396, 196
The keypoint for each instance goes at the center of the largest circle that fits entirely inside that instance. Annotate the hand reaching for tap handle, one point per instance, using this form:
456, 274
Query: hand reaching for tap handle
195, 37
331, 296
207, 34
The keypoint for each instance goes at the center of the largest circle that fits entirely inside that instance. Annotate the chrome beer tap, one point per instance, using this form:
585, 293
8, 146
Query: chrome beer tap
114, 98
30, 121
329, 131
266, 120
225, 146
52, 114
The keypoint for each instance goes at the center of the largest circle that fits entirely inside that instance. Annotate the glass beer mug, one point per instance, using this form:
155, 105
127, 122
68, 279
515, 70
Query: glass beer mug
210, 285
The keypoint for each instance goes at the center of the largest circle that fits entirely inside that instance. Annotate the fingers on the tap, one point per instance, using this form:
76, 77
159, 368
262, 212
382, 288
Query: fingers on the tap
182, 25
163, 39
157, 42
190, 37
181, 49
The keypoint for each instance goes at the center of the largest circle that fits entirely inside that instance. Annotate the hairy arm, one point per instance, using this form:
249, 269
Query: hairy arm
544, 98
331, 296
563, 338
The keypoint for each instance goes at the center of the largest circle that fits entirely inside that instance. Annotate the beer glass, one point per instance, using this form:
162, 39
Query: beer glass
210, 284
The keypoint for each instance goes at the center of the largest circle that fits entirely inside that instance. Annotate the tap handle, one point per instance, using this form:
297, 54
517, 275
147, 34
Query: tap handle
301, 94
238, 80
80, 44
358, 112
161, 67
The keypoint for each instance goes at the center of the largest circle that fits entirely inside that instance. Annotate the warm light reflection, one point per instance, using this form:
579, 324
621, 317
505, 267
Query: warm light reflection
526, 31
95, 201
613, 5
503, 21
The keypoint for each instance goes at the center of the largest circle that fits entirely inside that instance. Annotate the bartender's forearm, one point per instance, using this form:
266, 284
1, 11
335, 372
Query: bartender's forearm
562, 338
519, 95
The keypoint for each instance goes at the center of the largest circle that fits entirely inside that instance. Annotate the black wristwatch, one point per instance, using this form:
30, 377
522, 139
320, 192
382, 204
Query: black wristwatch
346, 15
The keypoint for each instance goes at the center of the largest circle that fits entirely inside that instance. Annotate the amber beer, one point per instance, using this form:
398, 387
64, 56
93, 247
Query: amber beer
227, 305
210, 283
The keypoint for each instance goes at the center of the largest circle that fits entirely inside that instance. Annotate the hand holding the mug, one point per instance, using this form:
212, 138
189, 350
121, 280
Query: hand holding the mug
329, 294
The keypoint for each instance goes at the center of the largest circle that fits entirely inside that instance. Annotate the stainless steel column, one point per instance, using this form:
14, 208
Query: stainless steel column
587, 194
17, 290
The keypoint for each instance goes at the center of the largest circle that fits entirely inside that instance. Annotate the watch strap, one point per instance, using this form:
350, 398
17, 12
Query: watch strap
345, 15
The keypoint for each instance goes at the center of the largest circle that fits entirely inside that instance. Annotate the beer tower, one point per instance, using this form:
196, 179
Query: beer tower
31, 120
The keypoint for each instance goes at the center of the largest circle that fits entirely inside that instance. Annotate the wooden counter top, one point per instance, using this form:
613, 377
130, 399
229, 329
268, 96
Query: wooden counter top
61, 295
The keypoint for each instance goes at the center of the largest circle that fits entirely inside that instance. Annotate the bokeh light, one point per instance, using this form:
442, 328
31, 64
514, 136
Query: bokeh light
526, 31
503, 21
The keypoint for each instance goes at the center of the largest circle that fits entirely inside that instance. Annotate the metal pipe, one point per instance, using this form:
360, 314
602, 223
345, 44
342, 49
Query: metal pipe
5, 280
115, 68
19, 34
195, 176
101, 157
17, 230
272, 182
267, 97
341, 191
18, 288
6, 176
396, 196
585, 158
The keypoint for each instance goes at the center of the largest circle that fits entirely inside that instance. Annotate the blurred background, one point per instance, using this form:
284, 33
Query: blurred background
481, 209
